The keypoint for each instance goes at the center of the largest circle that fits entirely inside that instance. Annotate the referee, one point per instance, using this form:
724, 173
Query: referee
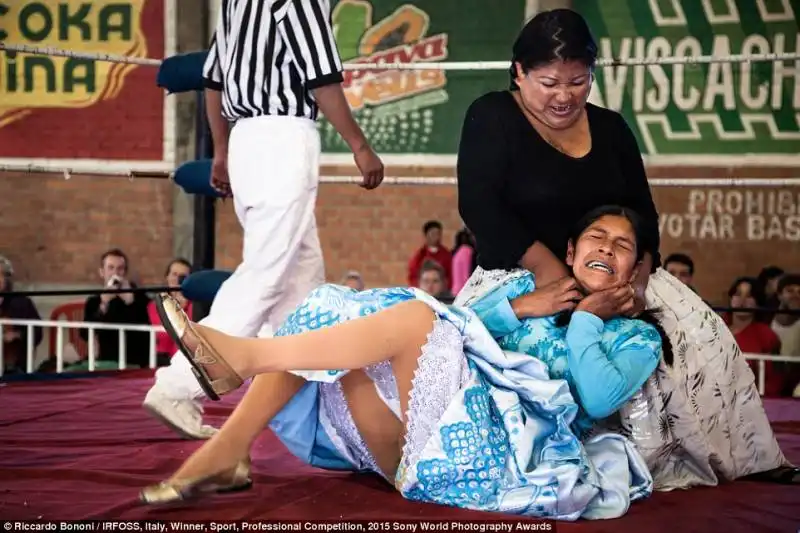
271, 68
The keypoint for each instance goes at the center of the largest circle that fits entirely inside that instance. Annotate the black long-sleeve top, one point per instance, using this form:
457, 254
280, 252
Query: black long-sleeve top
137, 343
515, 189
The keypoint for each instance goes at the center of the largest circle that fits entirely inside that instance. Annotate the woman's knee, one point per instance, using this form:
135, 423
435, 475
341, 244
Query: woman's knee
416, 315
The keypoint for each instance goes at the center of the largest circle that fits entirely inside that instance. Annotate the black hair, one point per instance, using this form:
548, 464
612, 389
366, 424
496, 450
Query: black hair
643, 245
466, 238
756, 289
431, 224
768, 273
757, 292
555, 35
681, 259
463, 237
178, 261
787, 280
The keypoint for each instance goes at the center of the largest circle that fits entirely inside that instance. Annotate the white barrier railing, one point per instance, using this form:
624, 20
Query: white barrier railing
91, 327
61, 325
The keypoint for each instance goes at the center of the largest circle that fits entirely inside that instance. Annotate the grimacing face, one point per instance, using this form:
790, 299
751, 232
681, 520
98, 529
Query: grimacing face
555, 93
604, 256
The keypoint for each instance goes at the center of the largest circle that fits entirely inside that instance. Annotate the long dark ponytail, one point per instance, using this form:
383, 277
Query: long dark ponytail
643, 245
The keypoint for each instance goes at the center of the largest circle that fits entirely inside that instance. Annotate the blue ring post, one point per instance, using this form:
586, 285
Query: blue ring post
184, 73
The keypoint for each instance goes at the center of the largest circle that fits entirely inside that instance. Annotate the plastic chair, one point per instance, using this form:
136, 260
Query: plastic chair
70, 312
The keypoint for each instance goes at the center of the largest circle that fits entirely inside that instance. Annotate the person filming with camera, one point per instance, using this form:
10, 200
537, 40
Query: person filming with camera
118, 308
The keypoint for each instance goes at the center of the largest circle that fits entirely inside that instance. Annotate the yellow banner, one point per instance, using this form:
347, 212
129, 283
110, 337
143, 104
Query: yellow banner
32, 81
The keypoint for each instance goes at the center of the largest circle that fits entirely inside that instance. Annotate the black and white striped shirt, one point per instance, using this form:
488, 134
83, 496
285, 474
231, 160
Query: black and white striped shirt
267, 55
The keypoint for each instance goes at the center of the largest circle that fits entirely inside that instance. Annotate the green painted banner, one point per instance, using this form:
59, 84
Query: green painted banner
419, 112
723, 109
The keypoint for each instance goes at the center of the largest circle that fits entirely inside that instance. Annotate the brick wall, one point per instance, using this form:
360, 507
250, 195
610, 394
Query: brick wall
54, 230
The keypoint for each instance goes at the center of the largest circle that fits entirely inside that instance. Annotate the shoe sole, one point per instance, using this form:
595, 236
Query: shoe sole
169, 423
188, 354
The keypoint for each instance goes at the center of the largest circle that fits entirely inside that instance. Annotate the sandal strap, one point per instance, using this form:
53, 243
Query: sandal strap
226, 384
205, 355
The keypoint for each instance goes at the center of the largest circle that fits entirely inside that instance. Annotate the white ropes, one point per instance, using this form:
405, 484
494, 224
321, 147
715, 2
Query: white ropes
445, 65
452, 65
401, 180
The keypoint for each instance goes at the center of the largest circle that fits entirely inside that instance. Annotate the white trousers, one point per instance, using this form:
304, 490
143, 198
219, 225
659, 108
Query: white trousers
273, 164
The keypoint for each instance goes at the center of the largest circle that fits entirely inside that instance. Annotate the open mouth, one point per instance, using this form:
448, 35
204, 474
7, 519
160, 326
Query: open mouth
562, 110
600, 267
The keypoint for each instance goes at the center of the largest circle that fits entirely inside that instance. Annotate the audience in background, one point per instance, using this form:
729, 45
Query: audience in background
465, 260
787, 327
768, 281
432, 268
432, 280
121, 308
15, 338
682, 267
353, 280
177, 271
431, 249
751, 335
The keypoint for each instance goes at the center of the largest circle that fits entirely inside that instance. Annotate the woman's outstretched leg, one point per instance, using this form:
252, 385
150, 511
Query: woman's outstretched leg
267, 395
396, 334
350, 345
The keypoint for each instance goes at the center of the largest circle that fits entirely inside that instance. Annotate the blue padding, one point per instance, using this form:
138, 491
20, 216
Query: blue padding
194, 177
203, 286
182, 73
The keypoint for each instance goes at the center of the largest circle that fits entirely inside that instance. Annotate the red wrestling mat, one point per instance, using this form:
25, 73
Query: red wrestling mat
75, 449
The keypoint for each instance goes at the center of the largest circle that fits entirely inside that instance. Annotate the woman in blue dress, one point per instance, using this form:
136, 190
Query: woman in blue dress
531, 161
391, 381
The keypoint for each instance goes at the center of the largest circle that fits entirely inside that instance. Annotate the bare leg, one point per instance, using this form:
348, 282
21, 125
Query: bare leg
350, 345
396, 334
266, 396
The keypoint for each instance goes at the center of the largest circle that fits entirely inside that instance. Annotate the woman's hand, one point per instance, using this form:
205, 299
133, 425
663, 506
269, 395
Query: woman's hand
609, 303
639, 302
561, 295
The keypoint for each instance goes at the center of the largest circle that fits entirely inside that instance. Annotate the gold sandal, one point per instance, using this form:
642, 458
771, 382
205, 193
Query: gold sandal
234, 480
177, 325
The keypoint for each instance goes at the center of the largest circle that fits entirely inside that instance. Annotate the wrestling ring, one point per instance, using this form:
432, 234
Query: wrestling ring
79, 447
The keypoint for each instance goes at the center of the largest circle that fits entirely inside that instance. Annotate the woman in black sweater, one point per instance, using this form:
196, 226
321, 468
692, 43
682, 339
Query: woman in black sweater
531, 161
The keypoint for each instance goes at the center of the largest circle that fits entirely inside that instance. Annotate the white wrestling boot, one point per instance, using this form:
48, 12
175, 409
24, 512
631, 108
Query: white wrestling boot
185, 417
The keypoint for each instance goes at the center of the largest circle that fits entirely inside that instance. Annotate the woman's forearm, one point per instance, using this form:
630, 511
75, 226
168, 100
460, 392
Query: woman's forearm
546, 267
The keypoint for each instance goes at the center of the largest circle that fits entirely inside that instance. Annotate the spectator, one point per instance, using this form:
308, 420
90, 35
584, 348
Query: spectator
431, 249
682, 267
15, 338
177, 271
787, 327
353, 280
751, 335
432, 281
464, 259
123, 308
768, 281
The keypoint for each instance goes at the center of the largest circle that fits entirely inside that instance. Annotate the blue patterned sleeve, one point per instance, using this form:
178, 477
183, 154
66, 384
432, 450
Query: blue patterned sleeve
495, 311
608, 376
494, 308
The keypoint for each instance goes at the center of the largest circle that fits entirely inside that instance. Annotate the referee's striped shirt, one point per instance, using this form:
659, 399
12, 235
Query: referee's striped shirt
267, 55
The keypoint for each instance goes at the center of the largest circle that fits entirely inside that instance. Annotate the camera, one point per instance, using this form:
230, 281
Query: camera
181, 279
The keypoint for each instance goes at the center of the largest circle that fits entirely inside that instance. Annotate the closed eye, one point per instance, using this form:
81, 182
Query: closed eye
625, 245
